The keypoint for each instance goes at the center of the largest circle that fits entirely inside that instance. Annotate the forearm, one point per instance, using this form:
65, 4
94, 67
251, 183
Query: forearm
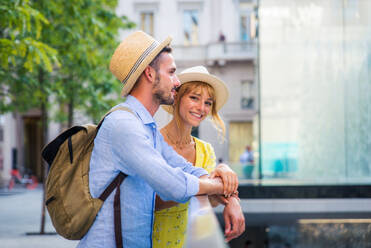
208, 186
233, 218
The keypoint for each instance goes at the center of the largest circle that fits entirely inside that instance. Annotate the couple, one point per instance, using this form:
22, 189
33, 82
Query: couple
163, 170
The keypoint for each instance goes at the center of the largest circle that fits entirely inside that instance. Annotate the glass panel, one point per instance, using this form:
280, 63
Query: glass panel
321, 234
315, 64
190, 19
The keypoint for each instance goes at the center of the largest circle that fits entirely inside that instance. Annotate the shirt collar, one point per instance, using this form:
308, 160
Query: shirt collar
141, 111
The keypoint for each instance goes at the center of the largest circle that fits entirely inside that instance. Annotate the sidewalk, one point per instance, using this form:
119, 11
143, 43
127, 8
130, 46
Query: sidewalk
20, 213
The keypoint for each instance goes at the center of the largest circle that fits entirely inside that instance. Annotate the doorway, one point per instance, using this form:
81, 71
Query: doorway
33, 146
240, 135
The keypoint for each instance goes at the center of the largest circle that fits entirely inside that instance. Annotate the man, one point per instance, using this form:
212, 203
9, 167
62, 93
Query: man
131, 143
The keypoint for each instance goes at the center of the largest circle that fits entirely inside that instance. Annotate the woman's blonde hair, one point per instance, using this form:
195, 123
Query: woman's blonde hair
201, 86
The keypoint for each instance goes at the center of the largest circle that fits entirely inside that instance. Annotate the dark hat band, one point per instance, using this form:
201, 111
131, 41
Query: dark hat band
140, 60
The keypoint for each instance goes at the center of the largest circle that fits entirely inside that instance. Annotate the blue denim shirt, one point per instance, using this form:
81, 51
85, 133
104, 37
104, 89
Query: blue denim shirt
133, 145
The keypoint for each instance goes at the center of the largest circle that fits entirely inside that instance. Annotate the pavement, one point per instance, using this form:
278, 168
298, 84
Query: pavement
20, 216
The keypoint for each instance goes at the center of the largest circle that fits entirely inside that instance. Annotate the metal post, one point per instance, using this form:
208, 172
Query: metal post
260, 176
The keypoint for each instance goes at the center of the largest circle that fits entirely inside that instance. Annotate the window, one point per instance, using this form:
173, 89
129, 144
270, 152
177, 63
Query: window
191, 27
247, 94
248, 20
146, 22
245, 27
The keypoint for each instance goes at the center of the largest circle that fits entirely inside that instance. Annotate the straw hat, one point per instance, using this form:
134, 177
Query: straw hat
201, 74
132, 56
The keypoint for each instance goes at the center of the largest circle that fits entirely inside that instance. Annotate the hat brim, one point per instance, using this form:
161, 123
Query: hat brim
146, 61
220, 89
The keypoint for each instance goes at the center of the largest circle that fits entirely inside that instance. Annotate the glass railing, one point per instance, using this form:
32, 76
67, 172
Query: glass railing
203, 229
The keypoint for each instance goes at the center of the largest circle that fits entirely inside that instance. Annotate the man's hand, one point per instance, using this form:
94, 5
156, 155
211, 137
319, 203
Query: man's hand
228, 176
234, 219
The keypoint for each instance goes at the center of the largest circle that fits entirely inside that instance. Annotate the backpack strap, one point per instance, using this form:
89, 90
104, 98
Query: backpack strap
113, 110
50, 150
116, 205
115, 184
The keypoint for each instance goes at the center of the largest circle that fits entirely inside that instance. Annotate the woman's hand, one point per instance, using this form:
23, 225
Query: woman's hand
215, 200
234, 219
229, 178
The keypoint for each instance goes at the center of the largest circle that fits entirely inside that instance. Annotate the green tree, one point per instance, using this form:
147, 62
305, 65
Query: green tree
85, 33
21, 54
58, 50
24, 59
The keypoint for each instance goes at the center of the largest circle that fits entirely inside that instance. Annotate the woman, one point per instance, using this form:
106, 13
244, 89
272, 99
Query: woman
199, 95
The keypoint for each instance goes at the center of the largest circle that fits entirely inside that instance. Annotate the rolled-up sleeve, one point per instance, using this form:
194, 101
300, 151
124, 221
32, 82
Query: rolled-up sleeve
133, 147
175, 160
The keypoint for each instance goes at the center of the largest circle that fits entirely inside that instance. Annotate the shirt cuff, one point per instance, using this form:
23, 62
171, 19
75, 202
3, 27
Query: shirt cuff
193, 185
200, 172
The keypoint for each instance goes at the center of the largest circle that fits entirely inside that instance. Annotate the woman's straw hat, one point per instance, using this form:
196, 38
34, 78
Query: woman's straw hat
201, 74
132, 56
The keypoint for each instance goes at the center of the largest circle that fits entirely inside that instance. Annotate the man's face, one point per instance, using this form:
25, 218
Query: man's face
166, 82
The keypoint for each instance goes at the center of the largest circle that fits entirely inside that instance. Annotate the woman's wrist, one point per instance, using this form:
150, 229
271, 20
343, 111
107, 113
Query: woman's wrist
235, 195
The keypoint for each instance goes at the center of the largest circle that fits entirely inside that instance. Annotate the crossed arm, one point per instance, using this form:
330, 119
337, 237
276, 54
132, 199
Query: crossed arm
221, 186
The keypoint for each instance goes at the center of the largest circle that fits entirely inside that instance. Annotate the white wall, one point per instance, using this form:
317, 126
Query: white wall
9, 143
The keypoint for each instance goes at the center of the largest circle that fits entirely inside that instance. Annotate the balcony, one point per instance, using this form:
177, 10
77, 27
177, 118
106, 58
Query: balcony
216, 52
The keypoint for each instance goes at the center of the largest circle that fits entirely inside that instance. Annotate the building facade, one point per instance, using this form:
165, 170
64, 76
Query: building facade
220, 35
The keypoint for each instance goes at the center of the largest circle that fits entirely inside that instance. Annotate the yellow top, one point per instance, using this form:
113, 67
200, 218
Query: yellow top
170, 224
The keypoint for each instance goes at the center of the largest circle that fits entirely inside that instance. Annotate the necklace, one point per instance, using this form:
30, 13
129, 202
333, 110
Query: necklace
179, 143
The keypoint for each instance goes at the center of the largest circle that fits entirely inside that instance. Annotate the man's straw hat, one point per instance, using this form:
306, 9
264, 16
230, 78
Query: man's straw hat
201, 74
132, 56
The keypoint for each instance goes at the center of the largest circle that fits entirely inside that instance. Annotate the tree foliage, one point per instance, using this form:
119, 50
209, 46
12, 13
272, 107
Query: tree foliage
70, 42
58, 51
21, 53
84, 32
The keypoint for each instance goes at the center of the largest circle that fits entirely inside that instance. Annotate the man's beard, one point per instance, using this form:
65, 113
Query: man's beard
160, 94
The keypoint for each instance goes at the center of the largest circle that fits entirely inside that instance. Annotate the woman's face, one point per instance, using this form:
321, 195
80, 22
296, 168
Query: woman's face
195, 106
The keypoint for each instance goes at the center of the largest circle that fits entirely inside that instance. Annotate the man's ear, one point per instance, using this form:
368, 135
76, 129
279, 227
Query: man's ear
150, 73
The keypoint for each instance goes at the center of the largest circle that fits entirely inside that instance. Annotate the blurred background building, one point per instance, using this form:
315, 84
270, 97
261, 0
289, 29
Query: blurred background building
220, 35
300, 95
